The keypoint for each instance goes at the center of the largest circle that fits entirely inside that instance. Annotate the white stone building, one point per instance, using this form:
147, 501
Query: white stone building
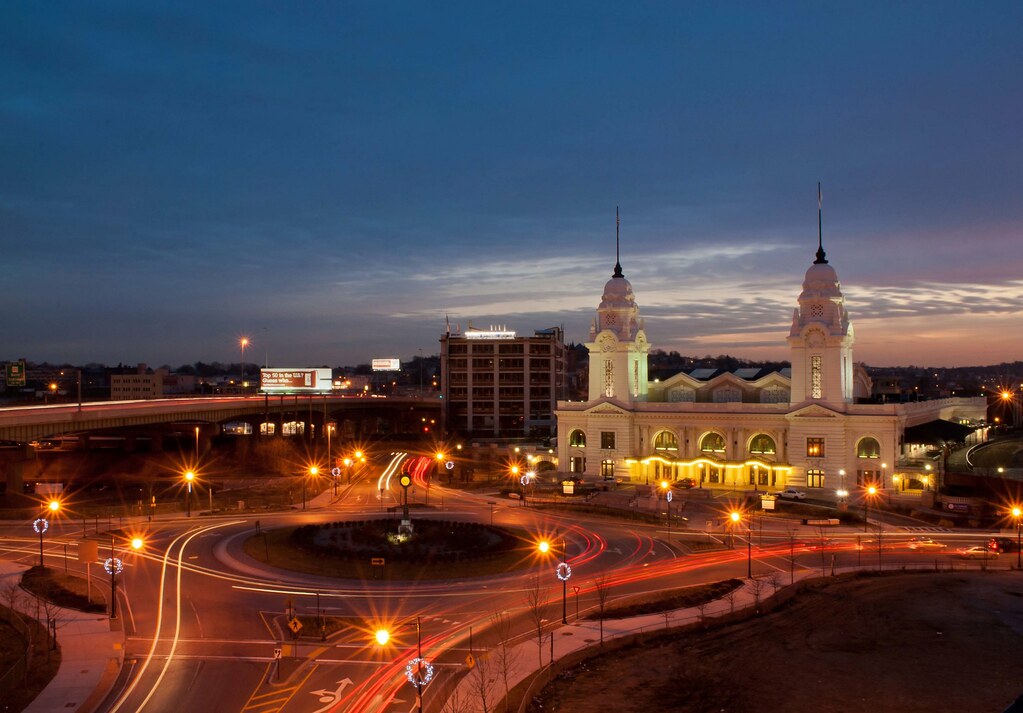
746, 430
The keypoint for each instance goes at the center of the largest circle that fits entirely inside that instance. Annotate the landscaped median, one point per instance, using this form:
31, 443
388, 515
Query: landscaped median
380, 549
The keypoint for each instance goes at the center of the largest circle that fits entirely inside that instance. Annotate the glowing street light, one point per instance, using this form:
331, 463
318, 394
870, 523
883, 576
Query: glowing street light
736, 518
189, 477
418, 671
563, 572
871, 491
1017, 513
313, 472
242, 343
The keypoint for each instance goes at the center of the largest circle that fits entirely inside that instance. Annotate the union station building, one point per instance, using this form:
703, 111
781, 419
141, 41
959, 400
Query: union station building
811, 426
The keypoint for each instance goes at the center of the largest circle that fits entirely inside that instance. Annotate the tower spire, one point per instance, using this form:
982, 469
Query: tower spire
618, 263
821, 260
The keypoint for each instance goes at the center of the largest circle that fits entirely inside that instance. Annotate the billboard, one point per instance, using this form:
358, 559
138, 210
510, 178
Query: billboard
294, 381
387, 364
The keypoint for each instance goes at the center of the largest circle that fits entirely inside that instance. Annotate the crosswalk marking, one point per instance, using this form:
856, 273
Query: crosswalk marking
925, 529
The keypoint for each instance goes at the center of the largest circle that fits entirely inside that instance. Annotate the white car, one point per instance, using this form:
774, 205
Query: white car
978, 552
925, 543
792, 494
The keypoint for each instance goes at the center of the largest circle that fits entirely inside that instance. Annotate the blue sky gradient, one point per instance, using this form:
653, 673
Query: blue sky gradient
332, 179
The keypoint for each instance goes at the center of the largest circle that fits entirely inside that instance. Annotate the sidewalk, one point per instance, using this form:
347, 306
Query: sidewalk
575, 637
91, 655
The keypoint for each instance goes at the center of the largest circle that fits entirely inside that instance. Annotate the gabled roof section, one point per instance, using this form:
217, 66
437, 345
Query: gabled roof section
813, 411
607, 407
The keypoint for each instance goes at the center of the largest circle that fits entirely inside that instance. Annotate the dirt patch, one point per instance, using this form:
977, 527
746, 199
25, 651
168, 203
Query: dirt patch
908, 642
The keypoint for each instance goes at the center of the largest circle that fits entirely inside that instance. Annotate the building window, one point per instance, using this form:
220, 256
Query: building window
816, 379
815, 478
577, 464
762, 444
815, 447
609, 378
727, 395
607, 440
607, 469
713, 443
577, 439
868, 448
665, 441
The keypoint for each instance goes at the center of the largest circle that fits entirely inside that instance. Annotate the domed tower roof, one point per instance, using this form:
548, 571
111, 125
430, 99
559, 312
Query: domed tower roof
617, 311
821, 300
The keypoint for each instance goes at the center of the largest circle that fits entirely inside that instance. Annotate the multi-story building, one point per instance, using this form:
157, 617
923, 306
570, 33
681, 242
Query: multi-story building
495, 384
139, 384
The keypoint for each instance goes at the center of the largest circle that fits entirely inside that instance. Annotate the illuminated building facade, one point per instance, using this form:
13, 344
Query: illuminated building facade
807, 426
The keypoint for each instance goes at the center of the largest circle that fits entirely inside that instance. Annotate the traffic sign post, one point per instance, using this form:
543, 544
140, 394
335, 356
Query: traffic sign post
15, 373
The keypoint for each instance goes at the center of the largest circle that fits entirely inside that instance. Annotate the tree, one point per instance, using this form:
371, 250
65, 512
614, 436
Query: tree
603, 588
537, 599
481, 682
504, 657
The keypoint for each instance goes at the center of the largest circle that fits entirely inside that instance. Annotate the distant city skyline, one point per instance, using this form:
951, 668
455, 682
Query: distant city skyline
334, 182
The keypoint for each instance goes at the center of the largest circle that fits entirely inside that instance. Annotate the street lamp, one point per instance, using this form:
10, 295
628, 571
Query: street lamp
114, 566
871, 492
418, 671
189, 477
313, 472
41, 525
927, 477
1017, 513
243, 342
736, 518
563, 572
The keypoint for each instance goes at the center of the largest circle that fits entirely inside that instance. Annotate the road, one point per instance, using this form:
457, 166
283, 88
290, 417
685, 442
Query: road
203, 620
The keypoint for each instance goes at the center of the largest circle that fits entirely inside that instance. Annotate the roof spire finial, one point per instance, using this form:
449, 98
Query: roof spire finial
618, 262
821, 260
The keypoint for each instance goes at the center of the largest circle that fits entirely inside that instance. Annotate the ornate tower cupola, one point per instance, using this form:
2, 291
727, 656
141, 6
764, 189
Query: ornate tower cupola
618, 346
821, 336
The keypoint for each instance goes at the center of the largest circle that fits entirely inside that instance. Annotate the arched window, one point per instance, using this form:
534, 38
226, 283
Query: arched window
868, 448
665, 441
577, 439
713, 443
762, 444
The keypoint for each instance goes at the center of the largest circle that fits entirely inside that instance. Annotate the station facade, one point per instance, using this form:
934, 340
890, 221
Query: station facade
809, 426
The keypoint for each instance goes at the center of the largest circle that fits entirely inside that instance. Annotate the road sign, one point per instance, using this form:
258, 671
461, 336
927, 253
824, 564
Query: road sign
376, 561
470, 661
295, 625
16, 373
405, 480
277, 653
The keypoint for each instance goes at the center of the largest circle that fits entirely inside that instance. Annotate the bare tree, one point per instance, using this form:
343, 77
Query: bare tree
537, 599
701, 607
774, 579
757, 585
880, 546
481, 682
11, 592
503, 656
603, 589
792, 555
730, 596
51, 611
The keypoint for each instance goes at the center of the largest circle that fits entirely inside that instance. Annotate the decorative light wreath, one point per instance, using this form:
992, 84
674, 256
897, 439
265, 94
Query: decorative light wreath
419, 672
564, 571
41, 525
113, 565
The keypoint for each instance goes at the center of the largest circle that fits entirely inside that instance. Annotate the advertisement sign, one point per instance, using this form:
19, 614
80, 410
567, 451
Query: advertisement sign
388, 364
294, 381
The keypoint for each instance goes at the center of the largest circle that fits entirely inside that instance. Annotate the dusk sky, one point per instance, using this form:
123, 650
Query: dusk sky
333, 179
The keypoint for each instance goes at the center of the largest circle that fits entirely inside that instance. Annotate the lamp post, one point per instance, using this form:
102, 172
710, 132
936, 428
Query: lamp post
1017, 513
927, 477
563, 572
189, 477
114, 566
242, 343
418, 671
736, 518
313, 471
870, 492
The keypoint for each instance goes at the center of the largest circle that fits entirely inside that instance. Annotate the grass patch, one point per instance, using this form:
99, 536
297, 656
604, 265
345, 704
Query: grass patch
658, 602
277, 548
63, 589
22, 683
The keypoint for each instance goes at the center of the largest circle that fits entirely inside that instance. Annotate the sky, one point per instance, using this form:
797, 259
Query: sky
336, 180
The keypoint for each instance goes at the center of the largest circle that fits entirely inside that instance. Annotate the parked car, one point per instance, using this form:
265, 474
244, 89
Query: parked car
925, 543
1002, 544
685, 483
977, 552
792, 494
